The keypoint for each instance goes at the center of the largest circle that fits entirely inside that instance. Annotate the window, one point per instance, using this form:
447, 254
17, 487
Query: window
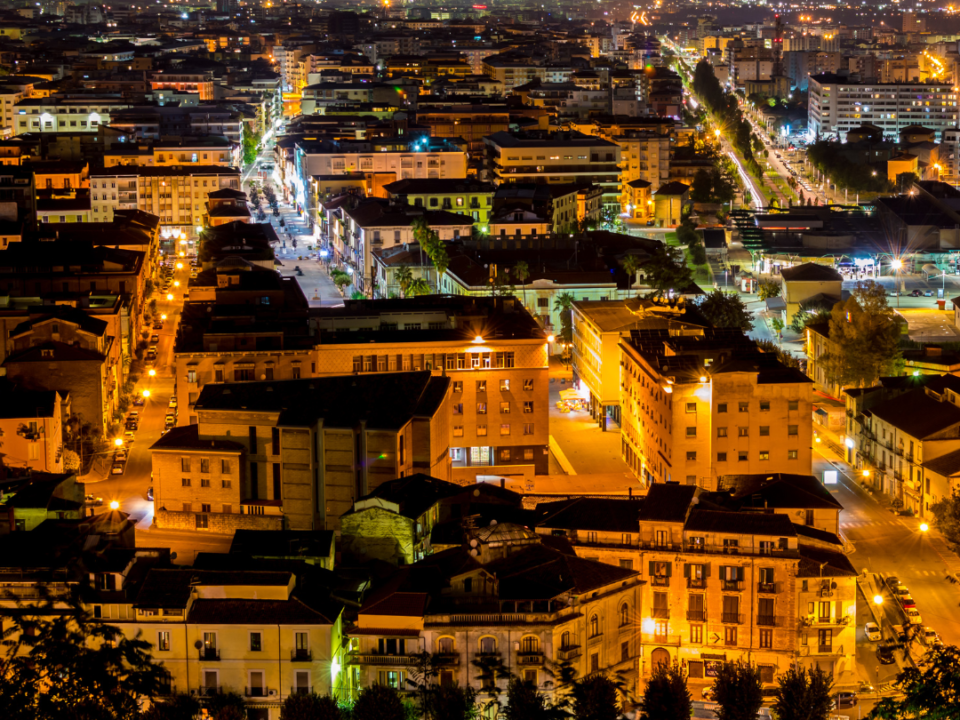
528, 428
721, 432
504, 386
505, 408
691, 407
696, 633
691, 456
594, 626
184, 464
458, 387
225, 467
764, 406
744, 407
163, 641
793, 405
488, 646
530, 644
458, 430
730, 635
793, 429
226, 484
624, 615
458, 408
764, 454
594, 662
721, 457
743, 432
256, 642
301, 644
481, 408
764, 430
766, 637
721, 407
791, 454
184, 482
528, 385
203, 522
481, 430
445, 646
505, 429
741, 456
528, 406
691, 432
204, 482
481, 386
565, 640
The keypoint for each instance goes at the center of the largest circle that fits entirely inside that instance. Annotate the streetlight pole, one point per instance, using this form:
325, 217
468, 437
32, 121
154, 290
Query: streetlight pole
896, 265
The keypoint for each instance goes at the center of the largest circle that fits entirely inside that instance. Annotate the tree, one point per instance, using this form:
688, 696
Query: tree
769, 289
341, 279
803, 694
310, 706
687, 234
433, 246
932, 693
738, 691
179, 707
946, 515
666, 696
783, 356
251, 144
418, 286
702, 188
630, 264
666, 270
697, 253
524, 702
379, 702
595, 698
226, 706
57, 662
864, 338
403, 276
452, 702
725, 310
521, 271
563, 304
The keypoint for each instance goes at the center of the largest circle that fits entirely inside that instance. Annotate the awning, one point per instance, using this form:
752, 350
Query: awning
776, 304
820, 411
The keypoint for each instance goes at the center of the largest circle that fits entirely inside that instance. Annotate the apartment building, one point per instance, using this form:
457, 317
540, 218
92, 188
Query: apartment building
598, 328
13, 89
725, 580
837, 105
177, 194
697, 407
644, 155
66, 113
298, 451
31, 424
446, 605
467, 197
198, 83
554, 157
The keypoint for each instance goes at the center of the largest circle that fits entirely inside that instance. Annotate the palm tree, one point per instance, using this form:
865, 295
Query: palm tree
562, 304
521, 271
631, 265
404, 276
417, 286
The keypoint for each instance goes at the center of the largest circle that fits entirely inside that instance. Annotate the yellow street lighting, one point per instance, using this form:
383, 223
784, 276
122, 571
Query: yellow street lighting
146, 393
716, 133
896, 264
118, 442
114, 505
924, 527
866, 473
176, 283
169, 296
550, 338
179, 266
878, 600
151, 372
182, 254
163, 317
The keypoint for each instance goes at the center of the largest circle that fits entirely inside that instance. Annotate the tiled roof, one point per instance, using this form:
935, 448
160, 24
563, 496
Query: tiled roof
255, 612
614, 515
667, 503
917, 414
743, 523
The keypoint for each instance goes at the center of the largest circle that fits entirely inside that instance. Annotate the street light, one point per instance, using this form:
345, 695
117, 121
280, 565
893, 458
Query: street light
179, 266
896, 265
151, 372
163, 317
169, 296
877, 600
118, 442
924, 527
114, 505
176, 283
866, 473
146, 393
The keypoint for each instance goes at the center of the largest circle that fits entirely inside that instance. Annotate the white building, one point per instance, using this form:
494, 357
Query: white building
65, 114
837, 105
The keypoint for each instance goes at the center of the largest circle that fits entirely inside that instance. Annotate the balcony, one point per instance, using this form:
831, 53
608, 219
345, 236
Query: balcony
661, 613
530, 658
374, 659
208, 690
664, 546
301, 690
767, 620
209, 654
768, 588
661, 639
735, 618
568, 653
696, 615
731, 585
660, 580
254, 692
446, 659
301, 655
696, 583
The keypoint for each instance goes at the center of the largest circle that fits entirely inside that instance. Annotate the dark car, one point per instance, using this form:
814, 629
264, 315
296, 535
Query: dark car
916, 293
885, 655
139, 400
158, 326
846, 698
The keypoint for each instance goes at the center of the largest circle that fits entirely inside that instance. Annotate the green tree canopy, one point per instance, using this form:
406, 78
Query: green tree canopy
803, 694
666, 270
524, 702
433, 246
666, 696
769, 289
404, 276
58, 663
310, 706
595, 698
737, 690
864, 338
931, 692
418, 286
946, 515
725, 310
379, 702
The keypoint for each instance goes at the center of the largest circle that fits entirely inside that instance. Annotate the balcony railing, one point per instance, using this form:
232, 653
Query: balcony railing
736, 618
255, 691
208, 690
731, 585
768, 620
301, 655
209, 654
530, 658
446, 659
665, 546
661, 613
696, 615
568, 653
696, 583
301, 690
767, 588
373, 659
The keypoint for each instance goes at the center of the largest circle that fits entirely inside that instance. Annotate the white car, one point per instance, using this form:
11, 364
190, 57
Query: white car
872, 631
913, 615
173, 402
929, 636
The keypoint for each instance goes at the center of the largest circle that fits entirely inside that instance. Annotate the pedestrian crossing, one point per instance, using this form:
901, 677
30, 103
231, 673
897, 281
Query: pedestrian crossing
869, 523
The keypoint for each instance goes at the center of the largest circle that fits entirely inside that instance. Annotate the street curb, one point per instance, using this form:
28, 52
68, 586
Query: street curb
561, 458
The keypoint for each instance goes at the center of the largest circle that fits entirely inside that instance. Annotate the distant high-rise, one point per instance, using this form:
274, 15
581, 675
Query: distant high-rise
913, 23
227, 6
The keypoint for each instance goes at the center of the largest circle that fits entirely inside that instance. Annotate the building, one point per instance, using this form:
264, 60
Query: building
697, 406
554, 157
809, 285
668, 203
724, 580
837, 105
466, 197
31, 424
61, 113
308, 448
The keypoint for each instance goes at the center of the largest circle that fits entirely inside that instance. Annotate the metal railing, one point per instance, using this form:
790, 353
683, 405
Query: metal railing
661, 613
568, 653
301, 655
735, 618
769, 620
530, 658
372, 659
696, 583
660, 580
767, 587
696, 615
731, 585
255, 691
301, 690
209, 654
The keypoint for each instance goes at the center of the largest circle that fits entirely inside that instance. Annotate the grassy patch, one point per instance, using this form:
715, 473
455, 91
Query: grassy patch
670, 238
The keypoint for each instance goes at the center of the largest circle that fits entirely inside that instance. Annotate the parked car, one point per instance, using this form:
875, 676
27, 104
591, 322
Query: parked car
133, 415
872, 631
707, 693
885, 655
154, 338
929, 636
900, 634
173, 401
893, 581
129, 437
117, 469
901, 590
913, 615
158, 326
139, 401
170, 420
93, 500
916, 293
132, 425
907, 602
